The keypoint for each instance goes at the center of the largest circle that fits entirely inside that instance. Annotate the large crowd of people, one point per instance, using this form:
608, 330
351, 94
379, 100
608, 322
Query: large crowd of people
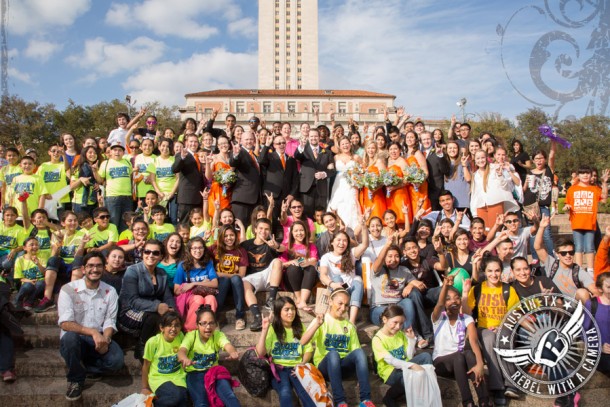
148, 231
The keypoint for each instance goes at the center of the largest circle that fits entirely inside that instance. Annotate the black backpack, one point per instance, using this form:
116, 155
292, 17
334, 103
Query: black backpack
575, 271
254, 373
477, 297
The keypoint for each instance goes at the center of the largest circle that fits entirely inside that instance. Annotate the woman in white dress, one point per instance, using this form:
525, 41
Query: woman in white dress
344, 198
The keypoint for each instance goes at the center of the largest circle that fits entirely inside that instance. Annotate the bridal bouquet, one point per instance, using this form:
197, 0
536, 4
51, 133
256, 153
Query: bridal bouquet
371, 182
415, 176
390, 179
355, 176
225, 177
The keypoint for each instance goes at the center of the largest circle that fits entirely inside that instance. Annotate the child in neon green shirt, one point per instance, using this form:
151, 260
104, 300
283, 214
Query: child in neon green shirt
160, 230
53, 173
199, 352
103, 234
30, 183
30, 271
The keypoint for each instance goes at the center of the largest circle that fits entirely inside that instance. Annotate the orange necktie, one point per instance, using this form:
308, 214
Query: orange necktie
197, 161
283, 161
253, 158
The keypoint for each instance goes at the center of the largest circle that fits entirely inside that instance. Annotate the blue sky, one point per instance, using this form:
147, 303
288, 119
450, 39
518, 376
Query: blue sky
429, 53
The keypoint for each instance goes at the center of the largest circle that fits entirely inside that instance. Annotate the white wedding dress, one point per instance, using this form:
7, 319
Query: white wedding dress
344, 198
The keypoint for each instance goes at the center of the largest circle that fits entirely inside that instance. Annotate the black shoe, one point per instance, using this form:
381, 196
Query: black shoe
269, 304
499, 399
257, 324
138, 352
75, 391
94, 377
511, 393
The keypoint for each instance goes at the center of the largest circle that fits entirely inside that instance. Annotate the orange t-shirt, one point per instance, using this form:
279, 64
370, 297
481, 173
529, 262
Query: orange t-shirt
584, 201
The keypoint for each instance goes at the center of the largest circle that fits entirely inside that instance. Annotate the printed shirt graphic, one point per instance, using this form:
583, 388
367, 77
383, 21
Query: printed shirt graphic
44, 243
161, 232
491, 305
387, 287
231, 261
259, 256
335, 335
54, 179
333, 262
206, 273
79, 192
394, 345
203, 355
11, 237
102, 237
7, 176
162, 168
164, 365
584, 202
118, 177
290, 352
141, 163
32, 184
27, 269
67, 251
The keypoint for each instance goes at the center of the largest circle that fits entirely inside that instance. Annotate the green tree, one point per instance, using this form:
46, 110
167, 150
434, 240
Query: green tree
527, 129
492, 122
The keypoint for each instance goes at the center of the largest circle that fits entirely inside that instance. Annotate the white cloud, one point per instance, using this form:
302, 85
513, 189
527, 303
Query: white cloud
107, 59
245, 27
38, 16
184, 19
41, 50
14, 73
168, 82
13, 52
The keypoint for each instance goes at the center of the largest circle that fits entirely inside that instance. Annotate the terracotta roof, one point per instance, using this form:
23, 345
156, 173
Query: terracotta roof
292, 93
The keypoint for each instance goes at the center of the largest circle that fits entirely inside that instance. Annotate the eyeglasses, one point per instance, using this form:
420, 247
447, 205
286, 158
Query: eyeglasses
97, 266
206, 323
297, 207
566, 252
280, 143
151, 122
152, 252
104, 217
197, 248
134, 147
509, 221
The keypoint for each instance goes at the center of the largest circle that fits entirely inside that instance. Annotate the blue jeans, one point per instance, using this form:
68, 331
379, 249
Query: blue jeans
7, 352
547, 237
81, 357
28, 293
407, 306
196, 388
286, 384
583, 241
395, 377
76, 208
335, 369
430, 297
172, 209
237, 285
117, 206
170, 395
356, 290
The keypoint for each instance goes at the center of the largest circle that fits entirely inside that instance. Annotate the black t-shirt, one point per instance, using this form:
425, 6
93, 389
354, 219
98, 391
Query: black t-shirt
540, 189
467, 266
524, 292
522, 157
259, 256
424, 272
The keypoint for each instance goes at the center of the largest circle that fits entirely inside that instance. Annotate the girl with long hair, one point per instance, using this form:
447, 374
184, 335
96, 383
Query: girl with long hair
215, 163
83, 180
397, 196
458, 180
415, 158
374, 162
174, 253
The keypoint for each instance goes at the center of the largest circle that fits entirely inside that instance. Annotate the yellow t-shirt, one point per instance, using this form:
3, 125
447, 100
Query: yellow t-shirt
27, 269
33, 185
102, 237
335, 335
54, 178
141, 163
164, 365
11, 237
491, 307
161, 232
70, 246
118, 177
287, 353
7, 176
78, 197
394, 345
203, 355
162, 168
44, 243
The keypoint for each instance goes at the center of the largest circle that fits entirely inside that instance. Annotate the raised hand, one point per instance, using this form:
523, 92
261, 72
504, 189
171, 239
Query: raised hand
545, 290
236, 148
466, 285
605, 175
214, 114
400, 111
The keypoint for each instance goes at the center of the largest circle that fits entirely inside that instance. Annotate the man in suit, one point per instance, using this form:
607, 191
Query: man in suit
247, 188
438, 168
282, 180
317, 166
191, 178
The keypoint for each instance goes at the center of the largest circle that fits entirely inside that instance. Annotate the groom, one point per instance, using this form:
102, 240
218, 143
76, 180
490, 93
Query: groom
317, 166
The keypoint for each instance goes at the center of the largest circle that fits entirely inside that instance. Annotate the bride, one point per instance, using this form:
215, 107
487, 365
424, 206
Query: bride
344, 198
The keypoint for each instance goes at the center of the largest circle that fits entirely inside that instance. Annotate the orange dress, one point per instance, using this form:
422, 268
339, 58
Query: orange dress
377, 201
397, 197
216, 191
421, 192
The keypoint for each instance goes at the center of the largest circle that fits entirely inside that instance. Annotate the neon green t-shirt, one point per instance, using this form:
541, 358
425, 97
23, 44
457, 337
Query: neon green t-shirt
288, 353
199, 231
27, 269
203, 355
142, 163
44, 243
11, 237
249, 233
164, 365
8, 174
162, 168
33, 185
333, 334
118, 177
319, 229
54, 178
161, 232
102, 237
394, 345
80, 190
126, 235
70, 246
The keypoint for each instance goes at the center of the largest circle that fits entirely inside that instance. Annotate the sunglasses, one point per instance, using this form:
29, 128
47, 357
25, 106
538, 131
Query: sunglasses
296, 207
151, 122
104, 217
152, 252
566, 252
508, 222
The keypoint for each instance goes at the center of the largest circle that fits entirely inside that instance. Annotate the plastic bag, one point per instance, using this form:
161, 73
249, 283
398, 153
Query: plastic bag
136, 400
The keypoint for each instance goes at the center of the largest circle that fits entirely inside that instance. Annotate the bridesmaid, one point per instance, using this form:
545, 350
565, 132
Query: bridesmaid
416, 157
373, 162
220, 160
398, 195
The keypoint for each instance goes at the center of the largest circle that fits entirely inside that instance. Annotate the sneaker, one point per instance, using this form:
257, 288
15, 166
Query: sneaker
28, 306
257, 325
366, 403
75, 391
94, 377
9, 376
511, 393
344, 404
240, 325
44, 305
269, 304
499, 399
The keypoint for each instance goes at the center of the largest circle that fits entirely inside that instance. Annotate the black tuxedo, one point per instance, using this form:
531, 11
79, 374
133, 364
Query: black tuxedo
247, 188
438, 168
278, 181
191, 185
314, 192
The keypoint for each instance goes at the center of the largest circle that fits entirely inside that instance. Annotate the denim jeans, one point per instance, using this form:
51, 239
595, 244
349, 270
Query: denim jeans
170, 395
430, 297
117, 206
28, 293
81, 357
396, 377
199, 395
83, 209
59, 265
335, 369
172, 210
547, 238
236, 284
286, 384
407, 306
356, 290
7, 352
